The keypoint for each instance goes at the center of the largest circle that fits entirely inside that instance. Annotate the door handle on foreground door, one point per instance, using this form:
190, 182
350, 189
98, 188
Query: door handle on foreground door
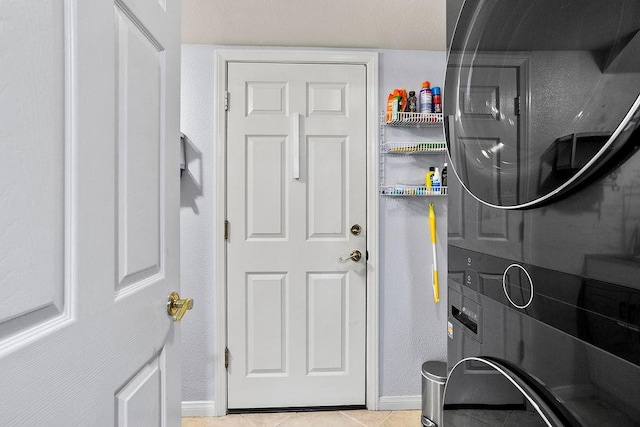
177, 307
295, 145
355, 255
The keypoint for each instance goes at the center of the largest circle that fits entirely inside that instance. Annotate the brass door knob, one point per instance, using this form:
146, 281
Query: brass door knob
177, 307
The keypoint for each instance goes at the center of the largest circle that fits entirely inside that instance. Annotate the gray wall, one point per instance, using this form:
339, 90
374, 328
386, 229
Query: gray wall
197, 216
412, 327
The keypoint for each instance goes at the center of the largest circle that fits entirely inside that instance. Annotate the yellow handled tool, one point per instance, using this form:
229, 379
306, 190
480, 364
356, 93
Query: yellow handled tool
432, 224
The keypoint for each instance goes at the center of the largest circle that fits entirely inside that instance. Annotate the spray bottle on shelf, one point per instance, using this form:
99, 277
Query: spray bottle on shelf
425, 97
436, 99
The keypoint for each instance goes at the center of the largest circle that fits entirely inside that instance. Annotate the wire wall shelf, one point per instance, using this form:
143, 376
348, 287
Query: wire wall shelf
412, 190
412, 147
394, 149
405, 119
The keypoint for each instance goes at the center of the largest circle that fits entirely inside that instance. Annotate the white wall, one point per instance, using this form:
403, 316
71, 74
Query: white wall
412, 327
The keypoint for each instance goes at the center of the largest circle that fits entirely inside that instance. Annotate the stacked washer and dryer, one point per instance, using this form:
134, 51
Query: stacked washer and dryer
542, 115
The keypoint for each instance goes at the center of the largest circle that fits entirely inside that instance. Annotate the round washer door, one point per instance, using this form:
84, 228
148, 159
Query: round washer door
484, 391
541, 96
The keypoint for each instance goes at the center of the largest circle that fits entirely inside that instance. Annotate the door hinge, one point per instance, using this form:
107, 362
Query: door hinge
226, 230
516, 106
226, 101
226, 358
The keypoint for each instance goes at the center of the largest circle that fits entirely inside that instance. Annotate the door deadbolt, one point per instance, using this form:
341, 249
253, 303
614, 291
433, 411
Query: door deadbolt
356, 229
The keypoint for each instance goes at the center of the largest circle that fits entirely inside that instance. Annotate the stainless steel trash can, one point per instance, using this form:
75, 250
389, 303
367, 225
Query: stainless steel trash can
434, 376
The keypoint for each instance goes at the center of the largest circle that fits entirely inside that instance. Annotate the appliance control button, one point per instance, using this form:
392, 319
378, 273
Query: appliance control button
471, 279
517, 286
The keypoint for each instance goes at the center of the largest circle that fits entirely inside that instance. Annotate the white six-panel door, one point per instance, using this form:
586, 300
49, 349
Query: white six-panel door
89, 205
296, 183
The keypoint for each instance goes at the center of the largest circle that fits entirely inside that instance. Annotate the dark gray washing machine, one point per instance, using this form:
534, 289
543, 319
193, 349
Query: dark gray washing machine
542, 114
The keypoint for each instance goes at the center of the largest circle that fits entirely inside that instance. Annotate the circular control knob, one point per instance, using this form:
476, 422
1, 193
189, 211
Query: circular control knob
517, 286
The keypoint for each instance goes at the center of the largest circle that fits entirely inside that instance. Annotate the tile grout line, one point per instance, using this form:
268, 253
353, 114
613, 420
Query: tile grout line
282, 422
385, 418
351, 418
248, 420
365, 425
271, 425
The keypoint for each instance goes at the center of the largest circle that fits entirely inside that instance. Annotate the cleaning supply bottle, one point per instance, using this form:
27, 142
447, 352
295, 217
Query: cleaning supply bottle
390, 107
435, 182
394, 101
443, 179
425, 97
428, 177
397, 93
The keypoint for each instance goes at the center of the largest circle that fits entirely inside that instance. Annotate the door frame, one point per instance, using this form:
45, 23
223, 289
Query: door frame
370, 61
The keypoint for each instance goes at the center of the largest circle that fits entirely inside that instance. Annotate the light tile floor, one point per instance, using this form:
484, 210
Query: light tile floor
356, 418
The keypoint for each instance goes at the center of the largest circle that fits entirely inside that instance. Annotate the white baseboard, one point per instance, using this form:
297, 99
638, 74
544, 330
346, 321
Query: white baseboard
199, 408
399, 403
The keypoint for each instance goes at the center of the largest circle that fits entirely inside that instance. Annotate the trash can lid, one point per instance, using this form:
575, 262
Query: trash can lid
435, 371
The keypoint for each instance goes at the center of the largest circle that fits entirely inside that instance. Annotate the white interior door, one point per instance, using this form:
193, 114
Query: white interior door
89, 204
296, 183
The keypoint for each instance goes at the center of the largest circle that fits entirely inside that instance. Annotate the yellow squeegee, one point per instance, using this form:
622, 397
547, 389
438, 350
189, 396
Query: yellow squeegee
432, 224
